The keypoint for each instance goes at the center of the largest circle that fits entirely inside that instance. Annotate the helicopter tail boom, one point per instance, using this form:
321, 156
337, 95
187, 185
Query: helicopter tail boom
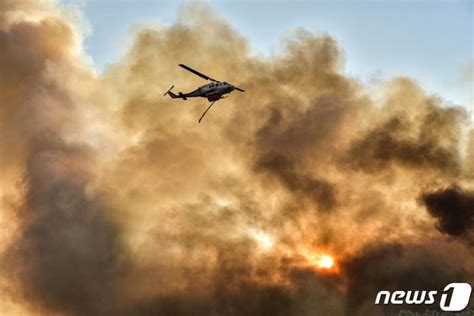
174, 96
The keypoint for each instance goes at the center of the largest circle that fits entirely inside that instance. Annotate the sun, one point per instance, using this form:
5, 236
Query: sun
325, 262
319, 260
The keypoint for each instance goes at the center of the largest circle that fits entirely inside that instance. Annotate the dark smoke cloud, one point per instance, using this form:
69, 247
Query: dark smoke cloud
453, 209
118, 203
66, 250
428, 142
241, 288
304, 186
411, 267
67, 254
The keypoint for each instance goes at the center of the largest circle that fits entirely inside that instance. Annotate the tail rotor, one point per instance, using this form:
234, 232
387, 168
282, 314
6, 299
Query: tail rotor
168, 92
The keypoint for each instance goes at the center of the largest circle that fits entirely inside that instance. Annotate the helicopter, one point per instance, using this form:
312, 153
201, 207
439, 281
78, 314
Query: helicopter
213, 91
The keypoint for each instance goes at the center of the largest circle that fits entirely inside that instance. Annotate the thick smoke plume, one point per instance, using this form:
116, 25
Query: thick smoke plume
454, 210
117, 202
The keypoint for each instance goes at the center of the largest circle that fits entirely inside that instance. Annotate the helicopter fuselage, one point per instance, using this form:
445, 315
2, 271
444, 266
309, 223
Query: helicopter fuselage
212, 91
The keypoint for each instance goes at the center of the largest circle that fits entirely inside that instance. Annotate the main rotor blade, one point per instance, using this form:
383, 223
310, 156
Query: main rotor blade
197, 73
237, 88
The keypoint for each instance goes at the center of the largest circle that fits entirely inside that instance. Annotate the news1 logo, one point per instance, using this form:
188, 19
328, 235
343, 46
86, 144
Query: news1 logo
454, 298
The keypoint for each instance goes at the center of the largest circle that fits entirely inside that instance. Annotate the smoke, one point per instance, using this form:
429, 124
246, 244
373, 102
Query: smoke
453, 209
319, 191
412, 267
425, 137
117, 202
64, 254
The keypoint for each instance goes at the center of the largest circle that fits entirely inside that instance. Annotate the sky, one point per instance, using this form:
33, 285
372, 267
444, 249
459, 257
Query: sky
429, 41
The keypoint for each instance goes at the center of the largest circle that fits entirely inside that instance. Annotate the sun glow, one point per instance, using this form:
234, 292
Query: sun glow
325, 262
320, 260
